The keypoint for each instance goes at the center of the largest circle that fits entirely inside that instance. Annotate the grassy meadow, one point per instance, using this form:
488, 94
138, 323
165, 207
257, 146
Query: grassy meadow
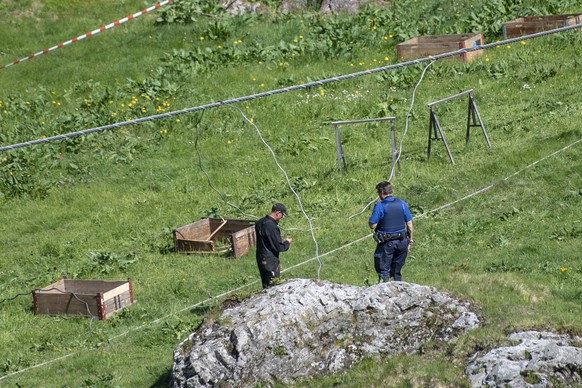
502, 227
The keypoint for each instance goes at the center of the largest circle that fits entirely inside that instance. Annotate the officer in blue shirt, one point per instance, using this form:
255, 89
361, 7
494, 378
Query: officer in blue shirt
392, 224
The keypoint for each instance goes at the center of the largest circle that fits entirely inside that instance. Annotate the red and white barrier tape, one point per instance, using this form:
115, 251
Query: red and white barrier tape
94, 32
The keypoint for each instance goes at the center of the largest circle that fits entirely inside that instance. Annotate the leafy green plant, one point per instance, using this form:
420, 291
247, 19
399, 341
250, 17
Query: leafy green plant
104, 205
107, 262
187, 11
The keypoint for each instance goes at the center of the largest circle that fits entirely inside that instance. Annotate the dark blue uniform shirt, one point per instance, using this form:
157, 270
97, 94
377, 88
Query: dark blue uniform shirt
391, 214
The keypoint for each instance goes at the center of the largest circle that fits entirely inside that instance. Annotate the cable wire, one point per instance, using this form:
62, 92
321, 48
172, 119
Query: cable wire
226, 293
282, 90
63, 292
220, 194
290, 187
401, 139
406, 119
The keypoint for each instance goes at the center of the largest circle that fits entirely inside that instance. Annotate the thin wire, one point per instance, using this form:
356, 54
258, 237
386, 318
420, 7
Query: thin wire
488, 187
360, 239
63, 292
208, 177
290, 187
364, 209
223, 197
14, 297
284, 90
406, 120
401, 139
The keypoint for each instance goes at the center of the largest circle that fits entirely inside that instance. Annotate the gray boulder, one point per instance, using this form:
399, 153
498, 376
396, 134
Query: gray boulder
304, 328
241, 7
536, 359
329, 6
350, 7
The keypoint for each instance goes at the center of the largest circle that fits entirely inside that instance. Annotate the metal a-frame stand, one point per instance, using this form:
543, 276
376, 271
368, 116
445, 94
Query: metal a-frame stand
435, 131
341, 160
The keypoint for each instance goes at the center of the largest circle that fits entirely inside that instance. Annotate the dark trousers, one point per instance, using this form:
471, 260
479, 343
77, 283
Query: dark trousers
269, 269
389, 258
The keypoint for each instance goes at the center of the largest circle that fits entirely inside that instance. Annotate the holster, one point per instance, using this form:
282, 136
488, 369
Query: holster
380, 237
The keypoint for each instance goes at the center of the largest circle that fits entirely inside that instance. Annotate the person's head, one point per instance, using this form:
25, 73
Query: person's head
278, 211
384, 189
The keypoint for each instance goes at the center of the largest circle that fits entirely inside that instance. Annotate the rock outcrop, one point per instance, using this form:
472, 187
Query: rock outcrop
325, 7
241, 7
537, 359
303, 328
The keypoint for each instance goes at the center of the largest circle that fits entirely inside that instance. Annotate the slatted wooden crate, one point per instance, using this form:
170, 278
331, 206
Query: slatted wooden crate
532, 24
98, 298
431, 45
235, 237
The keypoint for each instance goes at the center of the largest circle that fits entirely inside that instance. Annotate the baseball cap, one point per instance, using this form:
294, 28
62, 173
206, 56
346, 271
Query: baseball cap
279, 207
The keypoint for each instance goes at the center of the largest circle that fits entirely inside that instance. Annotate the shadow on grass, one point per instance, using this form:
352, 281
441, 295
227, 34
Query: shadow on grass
164, 380
202, 310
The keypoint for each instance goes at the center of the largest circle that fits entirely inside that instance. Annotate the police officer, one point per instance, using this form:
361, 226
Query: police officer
392, 224
270, 244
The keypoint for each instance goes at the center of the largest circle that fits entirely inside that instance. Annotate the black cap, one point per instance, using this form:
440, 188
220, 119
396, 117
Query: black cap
279, 207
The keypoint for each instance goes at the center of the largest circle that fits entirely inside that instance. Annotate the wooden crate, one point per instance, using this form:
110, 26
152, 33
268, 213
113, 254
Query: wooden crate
235, 237
532, 24
431, 45
98, 298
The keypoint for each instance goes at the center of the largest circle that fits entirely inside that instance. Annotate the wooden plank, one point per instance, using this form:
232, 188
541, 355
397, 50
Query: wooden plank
217, 229
188, 246
93, 287
53, 304
218, 238
231, 225
116, 303
58, 285
198, 230
432, 45
82, 297
450, 38
533, 24
123, 287
242, 241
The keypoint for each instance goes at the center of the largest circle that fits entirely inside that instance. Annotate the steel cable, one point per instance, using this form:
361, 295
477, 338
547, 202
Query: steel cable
290, 187
282, 90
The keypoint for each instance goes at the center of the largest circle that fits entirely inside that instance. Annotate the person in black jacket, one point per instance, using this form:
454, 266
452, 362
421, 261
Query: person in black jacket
270, 244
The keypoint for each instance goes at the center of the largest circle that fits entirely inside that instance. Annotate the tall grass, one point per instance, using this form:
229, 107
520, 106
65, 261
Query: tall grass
512, 249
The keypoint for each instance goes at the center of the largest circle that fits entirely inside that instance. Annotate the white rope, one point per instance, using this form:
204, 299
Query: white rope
284, 90
406, 119
401, 139
290, 187
220, 194
360, 239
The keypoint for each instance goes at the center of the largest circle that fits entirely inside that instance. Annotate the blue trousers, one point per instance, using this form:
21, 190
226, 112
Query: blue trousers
389, 258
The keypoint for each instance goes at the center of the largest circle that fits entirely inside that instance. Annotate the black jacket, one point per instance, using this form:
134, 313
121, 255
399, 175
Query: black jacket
269, 241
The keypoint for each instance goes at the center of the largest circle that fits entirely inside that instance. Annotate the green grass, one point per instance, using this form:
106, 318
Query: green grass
513, 250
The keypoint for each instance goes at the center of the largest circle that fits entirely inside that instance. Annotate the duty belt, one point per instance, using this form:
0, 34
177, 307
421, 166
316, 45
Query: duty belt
382, 237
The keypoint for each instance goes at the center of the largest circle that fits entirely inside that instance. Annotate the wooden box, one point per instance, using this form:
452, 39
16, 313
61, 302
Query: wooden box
98, 298
532, 24
426, 46
236, 237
